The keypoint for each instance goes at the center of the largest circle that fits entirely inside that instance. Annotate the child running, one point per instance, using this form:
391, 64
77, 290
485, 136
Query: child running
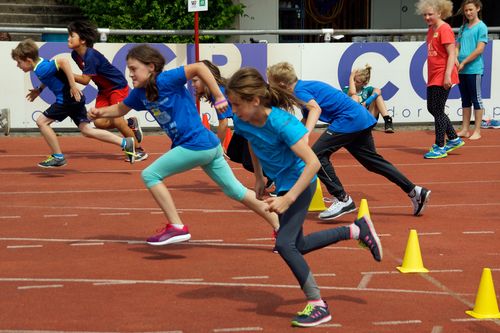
442, 73
471, 41
112, 85
350, 126
370, 97
56, 74
279, 144
164, 95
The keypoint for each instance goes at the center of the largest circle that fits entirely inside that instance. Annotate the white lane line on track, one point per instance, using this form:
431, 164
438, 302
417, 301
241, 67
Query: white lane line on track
364, 281
250, 277
23, 246
87, 244
45, 331
477, 232
324, 274
397, 272
437, 329
238, 329
397, 322
60, 215
10, 217
113, 214
473, 319
228, 284
205, 241
40, 286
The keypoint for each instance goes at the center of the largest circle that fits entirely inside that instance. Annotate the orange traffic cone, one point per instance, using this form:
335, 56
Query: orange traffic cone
204, 120
227, 138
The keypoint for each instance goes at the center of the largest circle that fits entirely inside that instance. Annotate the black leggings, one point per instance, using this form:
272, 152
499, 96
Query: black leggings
292, 244
436, 101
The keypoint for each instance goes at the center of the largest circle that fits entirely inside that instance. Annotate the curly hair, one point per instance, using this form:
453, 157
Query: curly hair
444, 7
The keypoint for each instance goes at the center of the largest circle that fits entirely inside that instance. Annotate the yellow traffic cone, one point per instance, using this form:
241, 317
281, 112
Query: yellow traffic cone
317, 203
412, 261
486, 306
363, 209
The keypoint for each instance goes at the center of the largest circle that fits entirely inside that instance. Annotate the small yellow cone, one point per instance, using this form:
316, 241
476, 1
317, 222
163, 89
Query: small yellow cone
486, 306
363, 209
412, 261
317, 203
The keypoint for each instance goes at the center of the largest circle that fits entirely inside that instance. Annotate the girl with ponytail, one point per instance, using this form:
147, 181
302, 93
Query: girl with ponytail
164, 95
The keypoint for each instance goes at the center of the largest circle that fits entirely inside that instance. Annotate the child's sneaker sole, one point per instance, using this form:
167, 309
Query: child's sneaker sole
171, 240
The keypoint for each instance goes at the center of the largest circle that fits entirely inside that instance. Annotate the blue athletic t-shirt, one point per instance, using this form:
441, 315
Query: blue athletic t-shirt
106, 76
337, 109
469, 38
271, 144
229, 112
175, 111
49, 74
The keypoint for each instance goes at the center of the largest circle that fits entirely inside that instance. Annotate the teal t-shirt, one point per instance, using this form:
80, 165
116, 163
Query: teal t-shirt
469, 38
365, 92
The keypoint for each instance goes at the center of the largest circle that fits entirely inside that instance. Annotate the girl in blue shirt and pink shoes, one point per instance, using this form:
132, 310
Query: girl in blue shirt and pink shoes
164, 95
278, 142
350, 126
471, 41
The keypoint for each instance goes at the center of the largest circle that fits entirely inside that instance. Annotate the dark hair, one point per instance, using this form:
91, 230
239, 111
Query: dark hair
149, 55
27, 49
460, 11
248, 83
86, 31
221, 81
5, 36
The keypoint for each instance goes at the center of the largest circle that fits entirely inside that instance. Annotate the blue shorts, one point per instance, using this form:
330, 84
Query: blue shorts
75, 110
470, 90
181, 159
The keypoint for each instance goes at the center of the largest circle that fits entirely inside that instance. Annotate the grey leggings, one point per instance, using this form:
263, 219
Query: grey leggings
292, 244
436, 101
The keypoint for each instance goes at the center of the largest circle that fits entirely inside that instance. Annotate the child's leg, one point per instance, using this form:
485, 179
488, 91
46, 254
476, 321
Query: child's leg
48, 133
478, 107
102, 135
466, 115
436, 101
478, 116
221, 173
465, 94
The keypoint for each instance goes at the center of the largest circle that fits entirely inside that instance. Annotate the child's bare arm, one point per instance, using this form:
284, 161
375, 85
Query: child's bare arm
64, 64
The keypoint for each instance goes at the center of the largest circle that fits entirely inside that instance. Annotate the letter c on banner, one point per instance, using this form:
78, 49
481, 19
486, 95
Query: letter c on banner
354, 51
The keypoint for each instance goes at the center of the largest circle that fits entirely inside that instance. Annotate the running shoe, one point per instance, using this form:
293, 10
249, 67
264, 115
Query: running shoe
140, 154
420, 199
169, 235
494, 123
312, 315
451, 145
52, 162
338, 208
368, 237
389, 128
5, 121
129, 149
436, 152
133, 123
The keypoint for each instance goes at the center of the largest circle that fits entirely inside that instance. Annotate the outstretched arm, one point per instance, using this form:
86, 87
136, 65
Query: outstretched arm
64, 64
199, 69
112, 111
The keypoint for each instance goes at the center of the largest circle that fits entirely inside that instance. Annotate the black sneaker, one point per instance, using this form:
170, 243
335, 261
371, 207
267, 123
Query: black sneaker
129, 149
52, 162
368, 237
133, 123
389, 128
312, 315
420, 199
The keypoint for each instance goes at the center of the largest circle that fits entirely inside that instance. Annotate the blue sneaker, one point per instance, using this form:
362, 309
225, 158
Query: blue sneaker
494, 123
436, 152
312, 316
451, 145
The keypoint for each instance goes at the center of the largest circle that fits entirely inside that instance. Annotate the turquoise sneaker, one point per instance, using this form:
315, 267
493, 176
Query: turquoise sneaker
436, 152
451, 145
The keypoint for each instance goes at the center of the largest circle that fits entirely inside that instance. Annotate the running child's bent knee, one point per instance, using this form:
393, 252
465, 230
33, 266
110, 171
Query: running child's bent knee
150, 178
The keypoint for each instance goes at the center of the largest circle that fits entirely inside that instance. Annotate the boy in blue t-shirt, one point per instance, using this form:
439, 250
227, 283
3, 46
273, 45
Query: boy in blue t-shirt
57, 76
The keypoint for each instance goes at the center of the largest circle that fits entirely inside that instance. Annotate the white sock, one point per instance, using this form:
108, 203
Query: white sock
177, 226
318, 302
354, 231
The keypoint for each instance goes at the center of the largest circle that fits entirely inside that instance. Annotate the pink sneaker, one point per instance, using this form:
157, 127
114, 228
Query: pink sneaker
169, 235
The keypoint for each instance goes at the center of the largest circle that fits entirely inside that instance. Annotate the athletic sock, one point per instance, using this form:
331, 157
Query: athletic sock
354, 231
317, 302
58, 156
124, 143
177, 226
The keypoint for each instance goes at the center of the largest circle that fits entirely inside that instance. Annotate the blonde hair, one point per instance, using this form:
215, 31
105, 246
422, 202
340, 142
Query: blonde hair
26, 49
364, 73
282, 74
247, 83
443, 7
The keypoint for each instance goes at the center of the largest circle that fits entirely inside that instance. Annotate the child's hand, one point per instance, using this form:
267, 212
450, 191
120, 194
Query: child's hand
76, 93
221, 104
278, 205
93, 113
259, 188
33, 94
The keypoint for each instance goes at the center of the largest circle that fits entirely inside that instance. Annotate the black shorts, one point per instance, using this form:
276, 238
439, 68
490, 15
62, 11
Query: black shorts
75, 110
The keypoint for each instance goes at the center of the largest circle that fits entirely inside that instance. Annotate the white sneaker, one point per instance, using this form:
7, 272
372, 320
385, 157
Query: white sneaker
338, 208
420, 200
5, 121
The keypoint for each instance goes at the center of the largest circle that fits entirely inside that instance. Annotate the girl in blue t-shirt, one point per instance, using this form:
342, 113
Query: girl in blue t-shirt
164, 95
279, 147
350, 126
471, 41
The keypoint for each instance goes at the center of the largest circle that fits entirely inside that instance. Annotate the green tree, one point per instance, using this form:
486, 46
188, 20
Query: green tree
158, 15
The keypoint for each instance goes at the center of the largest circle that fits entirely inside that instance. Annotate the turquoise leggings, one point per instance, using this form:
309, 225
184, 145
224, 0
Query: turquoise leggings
180, 159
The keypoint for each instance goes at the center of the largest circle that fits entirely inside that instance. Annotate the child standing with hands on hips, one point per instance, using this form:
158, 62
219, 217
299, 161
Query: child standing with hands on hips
442, 73
471, 41
56, 74
164, 95
278, 142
